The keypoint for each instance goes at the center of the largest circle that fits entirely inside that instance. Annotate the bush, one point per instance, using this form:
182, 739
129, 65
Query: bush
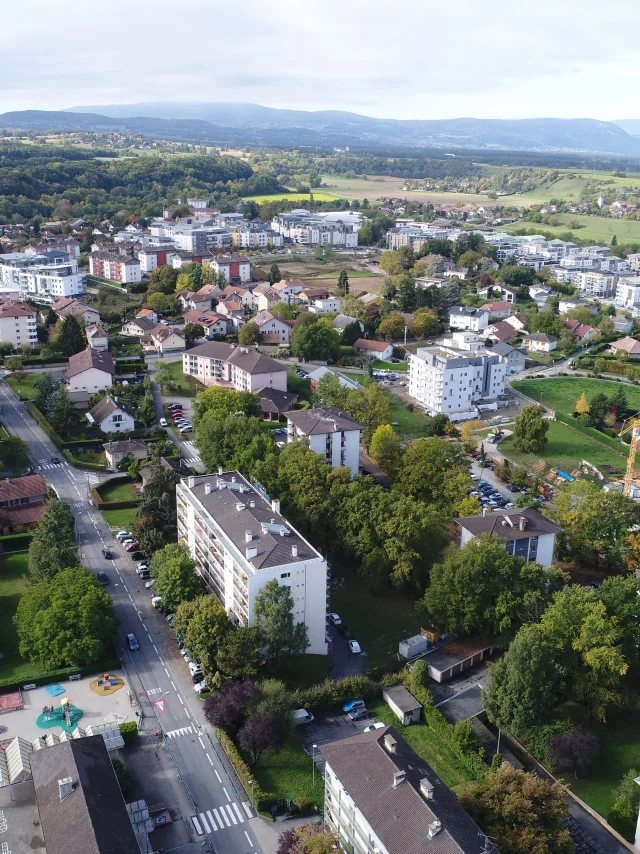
15, 543
621, 819
123, 778
327, 694
262, 800
81, 464
129, 731
537, 738
459, 740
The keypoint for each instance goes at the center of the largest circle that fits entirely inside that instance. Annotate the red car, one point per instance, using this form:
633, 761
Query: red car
132, 547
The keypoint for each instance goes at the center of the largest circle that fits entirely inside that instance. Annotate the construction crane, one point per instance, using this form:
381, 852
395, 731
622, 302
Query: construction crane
631, 425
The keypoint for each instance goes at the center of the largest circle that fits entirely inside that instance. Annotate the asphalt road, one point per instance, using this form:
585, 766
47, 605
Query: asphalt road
218, 811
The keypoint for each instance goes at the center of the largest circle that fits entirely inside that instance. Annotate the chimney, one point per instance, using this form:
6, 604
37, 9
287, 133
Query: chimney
248, 536
65, 787
399, 777
275, 505
426, 787
523, 523
434, 828
191, 482
294, 551
233, 480
390, 743
251, 552
252, 503
220, 470
207, 488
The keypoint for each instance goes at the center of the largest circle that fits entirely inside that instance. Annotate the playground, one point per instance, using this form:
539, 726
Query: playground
92, 700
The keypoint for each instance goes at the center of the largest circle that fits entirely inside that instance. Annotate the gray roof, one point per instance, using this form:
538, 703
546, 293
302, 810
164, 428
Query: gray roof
222, 503
402, 698
540, 336
506, 524
93, 818
90, 358
274, 400
125, 446
400, 816
502, 348
461, 311
144, 323
105, 407
341, 321
247, 360
327, 420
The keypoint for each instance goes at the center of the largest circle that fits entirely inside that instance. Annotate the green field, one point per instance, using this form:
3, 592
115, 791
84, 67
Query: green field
565, 448
401, 367
376, 186
13, 582
117, 490
25, 389
184, 385
122, 520
561, 393
293, 197
377, 620
596, 228
289, 774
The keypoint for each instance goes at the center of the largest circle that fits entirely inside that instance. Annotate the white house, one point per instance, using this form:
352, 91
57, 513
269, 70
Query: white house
514, 320
331, 433
110, 416
540, 342
166, 339
236, 270
473, 319
18, 324
97, 337
46, 277
241, 368
240, 541
527, 533
212, 322
505, 293
326, 306
375, 349
273, 329
138, 327
628, 291
289, 290
498, 309
90, 370
319, 373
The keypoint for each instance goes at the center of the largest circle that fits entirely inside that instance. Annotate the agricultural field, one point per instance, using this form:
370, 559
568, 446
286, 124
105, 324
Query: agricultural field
319, 196
561, 393
375, 186
596, 228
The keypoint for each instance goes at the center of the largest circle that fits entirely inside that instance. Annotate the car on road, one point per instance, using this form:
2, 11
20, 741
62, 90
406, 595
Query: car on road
123, 535
376, 725
141, 567
189, 429
335, 619
103, 578
55, 461
163, 422
131, 547
107, 554
144, 575
196, 677
170, 618
354, 646
350, 705
359, 714
133, 641
193, 666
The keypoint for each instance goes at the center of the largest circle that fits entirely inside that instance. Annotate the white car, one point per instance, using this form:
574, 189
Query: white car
335, 619
354, 646
163, 422
149, 584
123, 535
376, 725
200, 687
193, 667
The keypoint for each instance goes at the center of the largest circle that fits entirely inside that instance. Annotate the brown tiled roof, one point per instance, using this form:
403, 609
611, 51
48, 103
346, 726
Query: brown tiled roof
368, 344
326, 420
205, 318
90, 358
502, 330
105, 407
25, 514
17, 488
124, 446
274, 400
16, 309
162, 332
506, 524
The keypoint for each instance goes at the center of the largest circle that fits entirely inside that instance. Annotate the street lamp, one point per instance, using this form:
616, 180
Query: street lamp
253, 793
313, 764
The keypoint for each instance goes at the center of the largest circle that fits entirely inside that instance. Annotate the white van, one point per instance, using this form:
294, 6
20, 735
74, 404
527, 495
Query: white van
302, 716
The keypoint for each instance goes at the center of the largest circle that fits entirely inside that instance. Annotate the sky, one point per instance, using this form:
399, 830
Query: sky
422, 60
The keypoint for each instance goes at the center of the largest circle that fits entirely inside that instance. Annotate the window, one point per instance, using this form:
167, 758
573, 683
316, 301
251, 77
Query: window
285, 575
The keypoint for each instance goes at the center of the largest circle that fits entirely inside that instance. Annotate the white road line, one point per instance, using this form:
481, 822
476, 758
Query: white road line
166, 671
196, 824
182, 701
210, 817
224, 816
172, 685
247, 809
226, 794
187, 712
248, 839
239, 814
230, 811
217, 815
210, 760
140, 615
130, 597
201, 742
203, 818
154, 646
161, 661
144, 627
218, 775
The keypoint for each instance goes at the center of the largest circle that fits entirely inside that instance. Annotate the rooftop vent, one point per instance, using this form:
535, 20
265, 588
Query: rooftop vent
208, 487
522, 524
66, 787
390, 743
294, 551
426, 788
220, 470
191, 482
252, 503
248, 536
240, 506
399, 777
251, 552
434, 828
275, 505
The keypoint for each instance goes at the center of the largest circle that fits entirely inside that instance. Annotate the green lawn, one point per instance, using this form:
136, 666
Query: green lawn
565, 448
303, 671
13, 582
596, 228
26, 388
390, 366
427, 744
117, 490
378, 620
561, 393
409, 423
120, 519
353, 274
183, 384
299, 386
289, 774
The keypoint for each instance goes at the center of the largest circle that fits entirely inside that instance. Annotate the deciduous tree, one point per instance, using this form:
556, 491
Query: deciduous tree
386, 449
262, 734
248, 334
530, 430
275, 622
192, 332
392, 326
573, 750
174, 573
53, 545
435, 471
239, 654
227, 707
204, 626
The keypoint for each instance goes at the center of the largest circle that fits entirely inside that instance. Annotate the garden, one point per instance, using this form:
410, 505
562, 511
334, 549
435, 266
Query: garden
25, 388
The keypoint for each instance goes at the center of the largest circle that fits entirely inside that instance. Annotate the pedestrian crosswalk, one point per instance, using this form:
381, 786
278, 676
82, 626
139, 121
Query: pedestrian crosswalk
42, 466
217, 818
185, 730
190, 443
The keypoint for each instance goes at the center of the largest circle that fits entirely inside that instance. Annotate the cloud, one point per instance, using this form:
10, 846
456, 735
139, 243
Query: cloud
425, 60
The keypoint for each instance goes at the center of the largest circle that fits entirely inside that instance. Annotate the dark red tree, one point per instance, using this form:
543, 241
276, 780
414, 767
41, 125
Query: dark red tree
262, 733
573, 750
227, 707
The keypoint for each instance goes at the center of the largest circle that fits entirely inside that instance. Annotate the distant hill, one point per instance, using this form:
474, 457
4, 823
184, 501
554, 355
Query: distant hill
245, 124
631, 126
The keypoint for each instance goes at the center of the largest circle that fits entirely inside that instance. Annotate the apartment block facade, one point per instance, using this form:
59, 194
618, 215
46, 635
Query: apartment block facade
18, 324
45, 277
217, 363
116, 268
240, 541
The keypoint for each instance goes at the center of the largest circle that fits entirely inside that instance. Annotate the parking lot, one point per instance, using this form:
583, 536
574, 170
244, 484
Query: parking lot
327, 728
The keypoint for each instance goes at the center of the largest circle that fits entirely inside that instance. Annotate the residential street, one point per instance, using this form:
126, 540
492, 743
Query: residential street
221, 814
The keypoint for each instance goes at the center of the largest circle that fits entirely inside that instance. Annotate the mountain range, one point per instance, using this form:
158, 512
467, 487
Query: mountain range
252, 124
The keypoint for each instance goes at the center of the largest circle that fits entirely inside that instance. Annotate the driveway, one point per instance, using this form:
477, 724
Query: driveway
345, 663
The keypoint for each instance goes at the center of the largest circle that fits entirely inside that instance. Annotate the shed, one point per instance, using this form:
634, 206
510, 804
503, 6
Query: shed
413, 646
459, 655
403, 704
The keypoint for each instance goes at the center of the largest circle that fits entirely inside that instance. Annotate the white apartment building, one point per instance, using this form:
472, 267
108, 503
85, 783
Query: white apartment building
592, 283
628, 291
45, 277
239, 542
331, 434
634, 262
244, 237
453, 382
17, 324
304, 228
217, 363
472, 319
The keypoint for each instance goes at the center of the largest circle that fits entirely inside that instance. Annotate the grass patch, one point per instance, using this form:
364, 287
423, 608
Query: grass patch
561, 393
289, 774
299, 386
565, 448
399, 368
409, 423
183, 383
596, 228
13, 583
120, 519
303, 671
377, 620
427, 744
117, 490
25, 389
353, 274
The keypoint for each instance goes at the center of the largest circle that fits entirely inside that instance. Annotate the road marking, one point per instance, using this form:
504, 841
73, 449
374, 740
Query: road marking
144, 627
140, 615
224, 816
185, 730
161, 661
187, 712
182, 701
196, 824
166, 671
247, 809
201, 742
230, 811
154, 646
172, 685
226, 794
248, 839
130, 597
203, 819
235, 806
210, 761
210, 817
218, 775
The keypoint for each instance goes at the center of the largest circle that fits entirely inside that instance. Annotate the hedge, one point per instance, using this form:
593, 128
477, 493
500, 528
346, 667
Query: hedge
63, 673
593, 433
328, 693
82, 465
262, 800
472, 760
15, 543
123, 504
129, 731
42, 421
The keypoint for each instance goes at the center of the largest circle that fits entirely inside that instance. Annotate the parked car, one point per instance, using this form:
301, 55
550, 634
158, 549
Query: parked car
354, 646
169, 618
123, 535
107, 554
376, 725
132, 547
200, 687
335, 619
150, 584
359, 714
189, 429
163, 422
196, 677
350, 705
141, 567
194, 666
103, 578
144, 575
133, 641
156, 601
302, 716
345, 631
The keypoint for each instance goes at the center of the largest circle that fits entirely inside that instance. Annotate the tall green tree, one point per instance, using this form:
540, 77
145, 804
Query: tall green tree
70, 337
315, 341
233, 442
62, 414
530, 430
274, 274
239, 654
343, 283
65, 621
45, 386
330, 391
249, 333
225, 401
53, 546
371, 406
275, 622
193, 332
435, 471
386, 449
174, 574
204, 625
14, 451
